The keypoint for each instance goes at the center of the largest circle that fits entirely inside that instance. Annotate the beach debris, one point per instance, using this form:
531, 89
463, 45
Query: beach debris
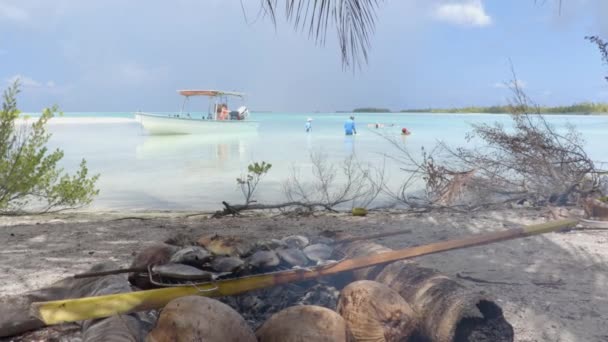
193, 255
195, 318
375, 312
263, 259
296, 241
181, 271
293, 256
304, 323
318, 252
227, 264
359, 212
225, 245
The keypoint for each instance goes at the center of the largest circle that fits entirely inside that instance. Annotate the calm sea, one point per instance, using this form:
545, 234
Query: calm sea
139, 171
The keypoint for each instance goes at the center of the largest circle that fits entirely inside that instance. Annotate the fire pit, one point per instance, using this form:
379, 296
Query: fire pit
399, 301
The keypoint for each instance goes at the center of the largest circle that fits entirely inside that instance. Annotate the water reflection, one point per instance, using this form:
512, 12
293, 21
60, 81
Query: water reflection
349, 144
196, 147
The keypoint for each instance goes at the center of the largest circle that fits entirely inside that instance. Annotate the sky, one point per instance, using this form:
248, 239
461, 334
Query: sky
116, 55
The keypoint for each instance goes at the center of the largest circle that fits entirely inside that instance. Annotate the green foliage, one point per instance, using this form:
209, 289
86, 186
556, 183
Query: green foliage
583, 107
371, 110
603, 199
255, 172
29, 174
259, 168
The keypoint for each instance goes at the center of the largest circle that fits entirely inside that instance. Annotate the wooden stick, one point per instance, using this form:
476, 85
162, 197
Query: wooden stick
71, 310
109, 272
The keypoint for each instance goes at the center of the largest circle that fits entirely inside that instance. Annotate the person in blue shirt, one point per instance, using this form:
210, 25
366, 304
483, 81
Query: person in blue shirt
349, 126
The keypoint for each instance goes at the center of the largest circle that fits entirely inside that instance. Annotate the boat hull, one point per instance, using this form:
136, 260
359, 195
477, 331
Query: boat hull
166, 125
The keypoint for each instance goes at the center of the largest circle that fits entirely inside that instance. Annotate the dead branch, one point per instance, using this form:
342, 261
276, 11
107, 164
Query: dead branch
235, 210
529, 161
331, 185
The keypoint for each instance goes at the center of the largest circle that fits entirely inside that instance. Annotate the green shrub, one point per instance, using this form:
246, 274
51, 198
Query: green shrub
30, 179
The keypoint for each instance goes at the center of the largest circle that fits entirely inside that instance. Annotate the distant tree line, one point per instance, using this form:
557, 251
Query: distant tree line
582, 108
371, 110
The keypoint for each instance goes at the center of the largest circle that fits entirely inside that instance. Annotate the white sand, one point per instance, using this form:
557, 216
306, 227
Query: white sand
552, 287
59, 120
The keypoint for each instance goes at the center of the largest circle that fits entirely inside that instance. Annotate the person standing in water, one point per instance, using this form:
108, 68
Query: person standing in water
349, 126
308, 125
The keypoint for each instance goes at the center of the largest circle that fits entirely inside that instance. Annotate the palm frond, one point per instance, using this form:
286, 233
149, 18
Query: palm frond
354, 21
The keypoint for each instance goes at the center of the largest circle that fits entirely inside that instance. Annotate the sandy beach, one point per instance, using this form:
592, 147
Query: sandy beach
551, 287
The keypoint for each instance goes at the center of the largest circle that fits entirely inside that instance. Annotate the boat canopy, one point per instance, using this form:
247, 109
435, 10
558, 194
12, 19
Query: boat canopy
211, 93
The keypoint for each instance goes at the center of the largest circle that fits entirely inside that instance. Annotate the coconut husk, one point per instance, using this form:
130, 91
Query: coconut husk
195, 318
376, 313
308, 323
158, 254
448, 311
358, 249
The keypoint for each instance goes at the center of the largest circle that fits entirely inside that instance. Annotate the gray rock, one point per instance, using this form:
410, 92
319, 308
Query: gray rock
193, 255
318, 252
227, 264
296, 241
293, 256
264, 259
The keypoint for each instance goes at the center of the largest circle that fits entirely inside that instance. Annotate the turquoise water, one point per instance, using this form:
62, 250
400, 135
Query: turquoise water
139, 171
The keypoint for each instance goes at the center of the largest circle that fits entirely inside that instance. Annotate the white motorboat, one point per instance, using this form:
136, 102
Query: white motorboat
217, 121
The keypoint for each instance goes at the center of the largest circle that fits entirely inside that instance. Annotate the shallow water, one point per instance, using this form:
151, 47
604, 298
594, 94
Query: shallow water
139, 171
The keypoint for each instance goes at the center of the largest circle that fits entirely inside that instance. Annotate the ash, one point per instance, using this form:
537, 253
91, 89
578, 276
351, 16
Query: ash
257, 306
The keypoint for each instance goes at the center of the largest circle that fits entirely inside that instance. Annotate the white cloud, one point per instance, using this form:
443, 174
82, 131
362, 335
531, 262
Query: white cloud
464, 12
28, 82
502, 85
13, 13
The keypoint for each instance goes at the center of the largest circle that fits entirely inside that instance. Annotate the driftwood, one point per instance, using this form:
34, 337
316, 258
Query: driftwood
235, 209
